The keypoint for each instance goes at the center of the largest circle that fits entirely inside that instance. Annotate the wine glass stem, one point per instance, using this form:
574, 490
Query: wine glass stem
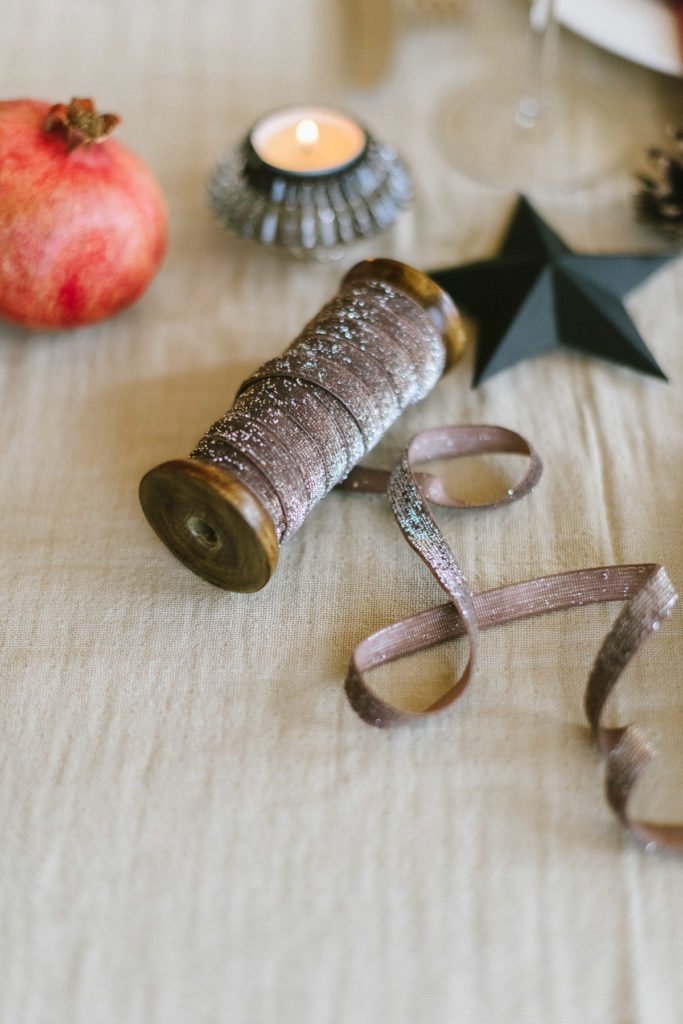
541, 64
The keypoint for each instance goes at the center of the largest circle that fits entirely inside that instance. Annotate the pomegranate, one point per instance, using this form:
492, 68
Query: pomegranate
82, 224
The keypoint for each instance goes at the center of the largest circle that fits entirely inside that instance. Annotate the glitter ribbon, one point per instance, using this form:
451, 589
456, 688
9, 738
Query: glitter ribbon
303, 420
299, 426
646, 590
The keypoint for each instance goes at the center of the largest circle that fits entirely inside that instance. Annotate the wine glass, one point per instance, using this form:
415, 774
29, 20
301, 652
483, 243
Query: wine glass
532, 128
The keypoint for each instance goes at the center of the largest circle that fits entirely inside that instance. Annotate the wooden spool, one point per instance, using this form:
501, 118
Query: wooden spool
210, 520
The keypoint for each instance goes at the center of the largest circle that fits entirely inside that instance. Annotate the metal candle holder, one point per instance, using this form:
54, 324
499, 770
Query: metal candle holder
310, 214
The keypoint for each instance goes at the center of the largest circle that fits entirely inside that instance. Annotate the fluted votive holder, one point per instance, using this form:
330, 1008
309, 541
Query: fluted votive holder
310, 181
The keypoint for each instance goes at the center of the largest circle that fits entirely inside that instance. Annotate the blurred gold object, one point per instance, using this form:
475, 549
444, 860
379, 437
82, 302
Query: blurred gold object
372, 28
371, 37
439, 8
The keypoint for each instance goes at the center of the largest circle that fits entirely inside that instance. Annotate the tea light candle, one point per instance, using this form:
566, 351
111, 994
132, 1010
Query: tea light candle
308, 140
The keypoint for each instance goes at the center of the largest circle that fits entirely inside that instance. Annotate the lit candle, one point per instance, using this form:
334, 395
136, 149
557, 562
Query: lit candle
308, 140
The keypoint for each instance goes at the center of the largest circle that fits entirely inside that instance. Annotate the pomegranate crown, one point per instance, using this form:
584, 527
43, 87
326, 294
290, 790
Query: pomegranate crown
80, 123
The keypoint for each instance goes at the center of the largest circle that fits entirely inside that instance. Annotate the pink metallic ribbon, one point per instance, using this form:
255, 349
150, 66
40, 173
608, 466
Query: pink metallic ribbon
646, 589
305, 418
301, 423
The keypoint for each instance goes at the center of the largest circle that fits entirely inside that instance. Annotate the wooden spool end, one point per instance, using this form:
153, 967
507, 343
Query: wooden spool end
211, 522
420, 286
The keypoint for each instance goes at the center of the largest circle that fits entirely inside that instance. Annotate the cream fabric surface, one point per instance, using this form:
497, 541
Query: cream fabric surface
195, 826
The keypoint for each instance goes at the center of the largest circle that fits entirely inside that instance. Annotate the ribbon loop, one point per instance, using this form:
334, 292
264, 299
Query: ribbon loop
646, 589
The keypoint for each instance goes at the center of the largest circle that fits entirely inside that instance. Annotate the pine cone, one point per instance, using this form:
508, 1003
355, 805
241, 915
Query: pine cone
660, 200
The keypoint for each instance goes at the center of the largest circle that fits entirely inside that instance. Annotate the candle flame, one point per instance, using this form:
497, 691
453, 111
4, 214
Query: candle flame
307, 133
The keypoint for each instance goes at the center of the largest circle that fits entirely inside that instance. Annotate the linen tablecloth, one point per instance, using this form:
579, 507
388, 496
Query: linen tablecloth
195, 825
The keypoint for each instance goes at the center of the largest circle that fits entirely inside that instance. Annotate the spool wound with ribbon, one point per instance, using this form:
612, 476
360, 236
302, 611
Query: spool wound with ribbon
299, 426
301, 422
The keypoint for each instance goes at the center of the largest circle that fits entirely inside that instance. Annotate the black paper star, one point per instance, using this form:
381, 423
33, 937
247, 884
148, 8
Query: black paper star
539, 295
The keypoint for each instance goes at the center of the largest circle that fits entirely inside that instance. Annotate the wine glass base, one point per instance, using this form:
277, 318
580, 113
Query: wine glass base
493, 136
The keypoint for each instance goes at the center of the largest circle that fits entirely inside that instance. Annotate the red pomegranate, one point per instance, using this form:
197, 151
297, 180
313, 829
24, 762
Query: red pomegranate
82, 224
